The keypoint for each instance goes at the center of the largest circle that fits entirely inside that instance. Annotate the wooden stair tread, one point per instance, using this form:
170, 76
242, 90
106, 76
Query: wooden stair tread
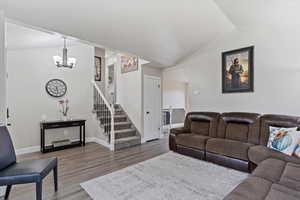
116, 116
127, 139
101, 110
126, 135
117, 123
120, 116
125, 130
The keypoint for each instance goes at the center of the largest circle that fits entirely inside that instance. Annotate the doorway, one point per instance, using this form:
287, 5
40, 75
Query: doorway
111, 84
152, 107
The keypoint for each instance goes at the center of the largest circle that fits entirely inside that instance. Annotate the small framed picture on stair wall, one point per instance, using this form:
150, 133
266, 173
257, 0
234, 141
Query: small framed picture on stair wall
97, 68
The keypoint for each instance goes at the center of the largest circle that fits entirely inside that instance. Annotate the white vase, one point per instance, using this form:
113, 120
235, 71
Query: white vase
64, 117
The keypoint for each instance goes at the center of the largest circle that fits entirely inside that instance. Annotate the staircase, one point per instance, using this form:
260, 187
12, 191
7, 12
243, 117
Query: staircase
126, 134
114, 122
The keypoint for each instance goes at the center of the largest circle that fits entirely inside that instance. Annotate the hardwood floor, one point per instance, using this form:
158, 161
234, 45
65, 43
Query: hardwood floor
81, 164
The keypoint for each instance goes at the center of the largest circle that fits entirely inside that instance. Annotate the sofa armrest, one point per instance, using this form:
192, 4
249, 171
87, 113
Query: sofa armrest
178, 131
260, 153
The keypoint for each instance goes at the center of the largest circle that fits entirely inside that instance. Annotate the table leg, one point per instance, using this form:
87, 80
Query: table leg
43, 140
84, 135
80, 135
41, 131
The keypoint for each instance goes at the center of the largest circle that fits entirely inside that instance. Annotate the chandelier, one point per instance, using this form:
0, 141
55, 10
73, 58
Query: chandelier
64, 61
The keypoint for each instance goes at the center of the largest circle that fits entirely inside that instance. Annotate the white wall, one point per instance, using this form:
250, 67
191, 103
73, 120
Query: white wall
174, 94
129, 93
29, 70
110, 87
276, 77
2, 70
101, 53
2, 78
152, 71
174, 88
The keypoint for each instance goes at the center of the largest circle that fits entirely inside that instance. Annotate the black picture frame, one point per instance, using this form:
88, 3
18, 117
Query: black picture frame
238, 76
98, 66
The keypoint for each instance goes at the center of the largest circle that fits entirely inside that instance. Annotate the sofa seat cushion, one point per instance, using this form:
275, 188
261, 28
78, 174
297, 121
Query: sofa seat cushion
253, 188
280, 192
192, 140
291, 176
260, 153
270, 169
230, 148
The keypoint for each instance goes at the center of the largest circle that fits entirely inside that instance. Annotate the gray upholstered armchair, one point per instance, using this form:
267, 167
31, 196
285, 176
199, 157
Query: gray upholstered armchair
30, 171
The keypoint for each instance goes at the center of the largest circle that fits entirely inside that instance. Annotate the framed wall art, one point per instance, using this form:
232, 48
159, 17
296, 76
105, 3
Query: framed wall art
97, 68
129, 63
238, 70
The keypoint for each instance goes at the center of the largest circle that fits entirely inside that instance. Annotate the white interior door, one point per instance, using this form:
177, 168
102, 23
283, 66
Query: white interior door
152, 107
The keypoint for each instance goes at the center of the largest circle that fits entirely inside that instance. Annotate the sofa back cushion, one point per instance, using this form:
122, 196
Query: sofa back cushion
237, 131
202, 123
243, 127
283, 121
200, 127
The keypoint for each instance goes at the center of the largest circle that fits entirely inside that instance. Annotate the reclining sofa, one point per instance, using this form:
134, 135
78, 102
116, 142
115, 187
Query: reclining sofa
239, 141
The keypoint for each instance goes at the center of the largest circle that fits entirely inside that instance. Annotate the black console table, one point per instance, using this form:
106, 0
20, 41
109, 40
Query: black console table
62, 124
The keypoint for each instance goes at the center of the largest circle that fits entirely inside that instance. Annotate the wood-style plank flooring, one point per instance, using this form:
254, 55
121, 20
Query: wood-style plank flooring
81, 164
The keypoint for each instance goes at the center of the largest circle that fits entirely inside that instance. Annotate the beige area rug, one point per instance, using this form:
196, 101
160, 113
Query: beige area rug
170, 176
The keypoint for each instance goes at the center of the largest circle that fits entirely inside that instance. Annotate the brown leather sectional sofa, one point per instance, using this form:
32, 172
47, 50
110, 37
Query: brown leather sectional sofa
238, 140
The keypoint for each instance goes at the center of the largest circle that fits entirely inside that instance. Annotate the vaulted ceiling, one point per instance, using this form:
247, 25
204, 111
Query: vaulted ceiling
262, 14
163, 32
20, 37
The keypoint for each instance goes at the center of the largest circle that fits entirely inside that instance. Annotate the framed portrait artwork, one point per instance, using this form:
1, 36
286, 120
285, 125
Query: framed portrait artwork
238, 70
129, 64
97, 68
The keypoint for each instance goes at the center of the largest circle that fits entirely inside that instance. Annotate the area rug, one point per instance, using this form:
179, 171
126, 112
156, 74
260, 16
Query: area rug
170, 176
2, 192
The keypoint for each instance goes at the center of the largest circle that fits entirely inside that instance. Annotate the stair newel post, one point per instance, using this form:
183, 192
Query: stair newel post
112, 129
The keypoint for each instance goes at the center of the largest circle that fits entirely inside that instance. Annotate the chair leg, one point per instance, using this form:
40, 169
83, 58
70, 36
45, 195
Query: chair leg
55, 179
8, 188
39, 190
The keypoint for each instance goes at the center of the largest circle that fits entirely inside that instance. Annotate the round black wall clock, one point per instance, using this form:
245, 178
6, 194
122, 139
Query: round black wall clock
56, 88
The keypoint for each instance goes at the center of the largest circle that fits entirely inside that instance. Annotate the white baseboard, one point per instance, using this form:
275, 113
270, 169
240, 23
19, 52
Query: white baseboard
160, 137
143, 140
33, 149
89, 139
25, 150
98, 141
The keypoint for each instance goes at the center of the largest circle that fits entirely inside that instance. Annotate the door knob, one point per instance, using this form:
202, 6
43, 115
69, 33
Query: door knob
147, 112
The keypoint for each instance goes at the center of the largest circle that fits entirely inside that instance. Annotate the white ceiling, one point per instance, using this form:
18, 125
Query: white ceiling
20, 37
160, 31
163, 32
262, 14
